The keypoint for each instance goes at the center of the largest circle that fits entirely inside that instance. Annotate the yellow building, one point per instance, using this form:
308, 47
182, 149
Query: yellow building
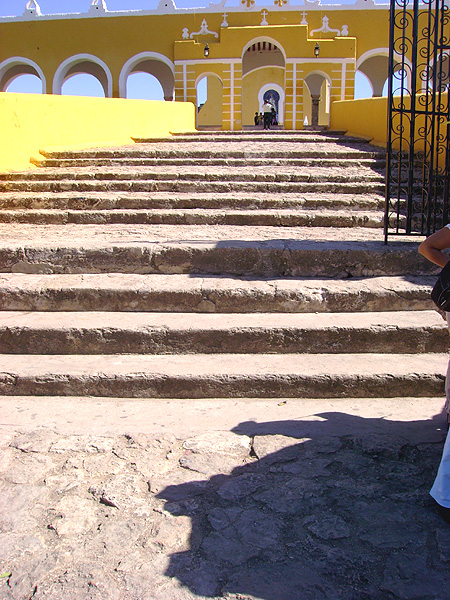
301, 57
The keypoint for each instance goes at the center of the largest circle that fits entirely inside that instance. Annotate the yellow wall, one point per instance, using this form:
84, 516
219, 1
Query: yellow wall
211, 112
366, 118
29, 122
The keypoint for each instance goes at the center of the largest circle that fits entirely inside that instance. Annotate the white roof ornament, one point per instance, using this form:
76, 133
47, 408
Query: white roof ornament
98, 7
32, 10
326, 28
204, 30
166, 6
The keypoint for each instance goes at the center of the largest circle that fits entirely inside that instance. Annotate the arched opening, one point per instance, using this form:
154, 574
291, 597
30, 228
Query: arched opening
439, 72
363, 87
25, 84
316, 99
84, 65
375, 68
374, 65
82, 84
399, 82
209, 100
274, 93
149, 63
21, 75
263, 69
143, 86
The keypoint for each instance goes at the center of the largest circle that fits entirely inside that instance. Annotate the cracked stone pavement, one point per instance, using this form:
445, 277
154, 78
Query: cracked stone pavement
277, 499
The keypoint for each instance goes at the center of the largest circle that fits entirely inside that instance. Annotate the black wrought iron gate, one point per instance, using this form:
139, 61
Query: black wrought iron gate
418, 151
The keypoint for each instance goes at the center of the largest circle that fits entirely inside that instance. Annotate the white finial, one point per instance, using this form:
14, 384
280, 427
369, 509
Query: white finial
32, 9
98, 7
304, 21
264, 14
224, 22
185, 34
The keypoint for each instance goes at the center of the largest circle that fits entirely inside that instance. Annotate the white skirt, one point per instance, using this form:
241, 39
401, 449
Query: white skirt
441, 487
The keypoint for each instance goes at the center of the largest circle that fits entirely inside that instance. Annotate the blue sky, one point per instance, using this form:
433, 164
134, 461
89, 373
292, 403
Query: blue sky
139, 85
16, 7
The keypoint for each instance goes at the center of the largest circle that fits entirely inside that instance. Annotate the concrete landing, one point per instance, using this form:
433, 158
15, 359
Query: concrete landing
253, 499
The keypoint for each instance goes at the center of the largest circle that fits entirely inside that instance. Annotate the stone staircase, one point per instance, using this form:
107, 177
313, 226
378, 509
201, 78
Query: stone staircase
220, 264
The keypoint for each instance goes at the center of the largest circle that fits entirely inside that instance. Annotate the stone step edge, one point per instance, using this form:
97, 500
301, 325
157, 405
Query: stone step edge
111, 200
256, 217
235, 376
239, 257
220, 187
209, 294
399, 332
207, 158
200, 177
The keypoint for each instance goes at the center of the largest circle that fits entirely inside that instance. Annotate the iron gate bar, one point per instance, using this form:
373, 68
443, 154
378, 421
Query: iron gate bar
418, 153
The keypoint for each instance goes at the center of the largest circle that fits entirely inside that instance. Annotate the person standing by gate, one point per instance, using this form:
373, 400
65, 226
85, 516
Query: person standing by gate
267, 110
432, 248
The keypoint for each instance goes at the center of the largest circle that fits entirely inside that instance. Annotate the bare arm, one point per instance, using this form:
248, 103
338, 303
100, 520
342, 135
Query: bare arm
432, 247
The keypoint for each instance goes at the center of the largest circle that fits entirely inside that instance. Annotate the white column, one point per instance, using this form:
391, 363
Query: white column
343, 74
232, 95
294, 96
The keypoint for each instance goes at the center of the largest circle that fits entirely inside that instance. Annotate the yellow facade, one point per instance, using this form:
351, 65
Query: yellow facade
252, 51
30, 122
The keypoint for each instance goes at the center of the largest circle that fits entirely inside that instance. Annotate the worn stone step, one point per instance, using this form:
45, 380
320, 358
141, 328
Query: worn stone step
177, 333
224, 375
210, 174
373, 186
268, 137
344, 161
281, 217
184, 293
210, 249
228, 151
170, 200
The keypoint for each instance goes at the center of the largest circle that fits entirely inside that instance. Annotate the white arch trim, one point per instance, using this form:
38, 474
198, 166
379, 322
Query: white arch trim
20, 60
430, 64
371, 54
263, 67
385, 52
280, 90
264, 38
207, 74
64, 67
135, 60
327, 78
378, 52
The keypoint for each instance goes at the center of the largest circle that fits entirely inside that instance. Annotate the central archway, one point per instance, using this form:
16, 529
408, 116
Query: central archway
263, 69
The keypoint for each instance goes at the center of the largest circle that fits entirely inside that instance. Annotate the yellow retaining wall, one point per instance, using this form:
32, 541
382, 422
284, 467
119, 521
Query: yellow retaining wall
29, 122
368, 118
365, 118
